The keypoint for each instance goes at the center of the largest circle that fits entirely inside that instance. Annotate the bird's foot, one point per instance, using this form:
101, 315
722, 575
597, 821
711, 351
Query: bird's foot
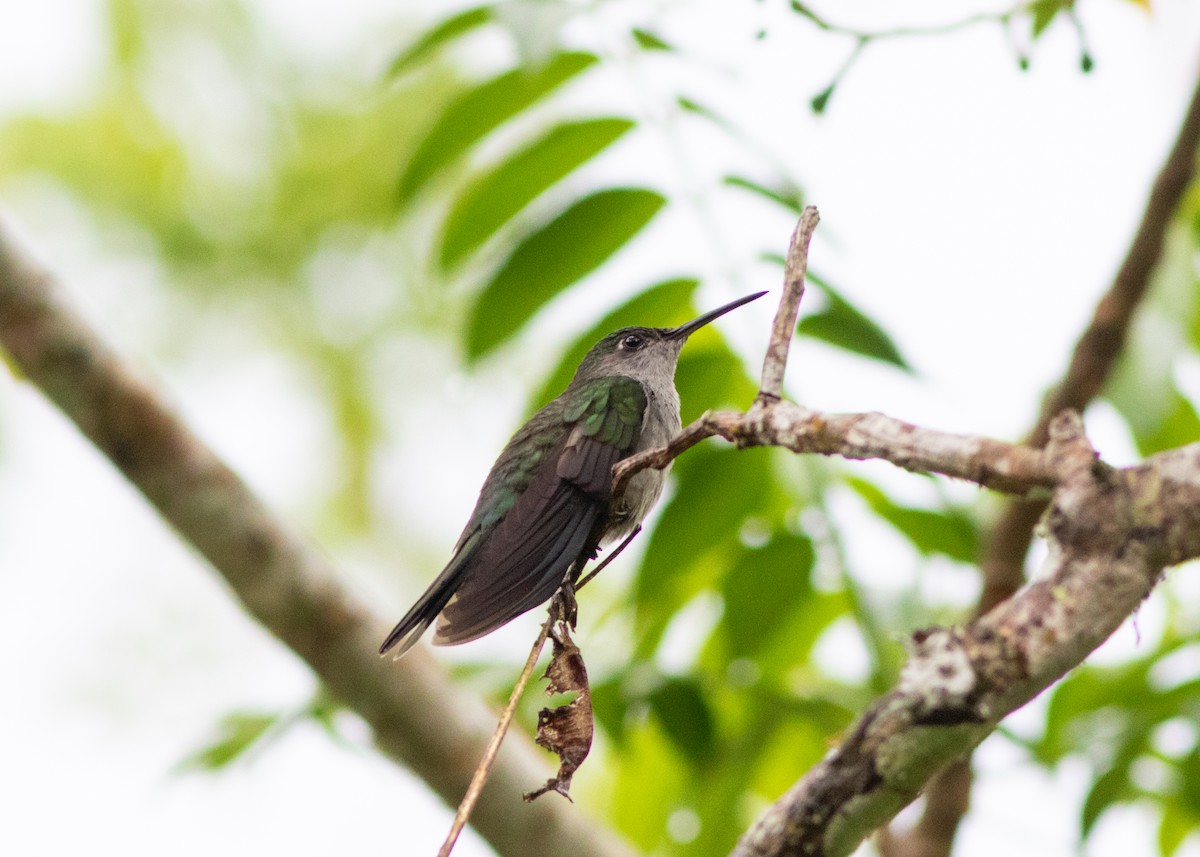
563, 606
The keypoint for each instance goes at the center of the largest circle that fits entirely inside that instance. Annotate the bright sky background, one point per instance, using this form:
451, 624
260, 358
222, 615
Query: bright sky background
976, 210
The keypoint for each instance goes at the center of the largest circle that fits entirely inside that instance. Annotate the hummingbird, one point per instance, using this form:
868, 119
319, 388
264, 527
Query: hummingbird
547, 507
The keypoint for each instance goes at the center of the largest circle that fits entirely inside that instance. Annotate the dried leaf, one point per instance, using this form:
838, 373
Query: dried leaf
566, 730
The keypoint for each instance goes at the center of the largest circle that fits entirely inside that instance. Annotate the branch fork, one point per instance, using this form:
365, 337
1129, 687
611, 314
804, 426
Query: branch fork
1111, 533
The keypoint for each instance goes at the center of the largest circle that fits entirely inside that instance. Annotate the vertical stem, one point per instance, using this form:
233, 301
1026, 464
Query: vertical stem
789, 305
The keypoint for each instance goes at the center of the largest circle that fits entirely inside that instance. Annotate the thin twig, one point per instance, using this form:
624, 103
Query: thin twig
907, 32
794, 272
484, 768
660, 457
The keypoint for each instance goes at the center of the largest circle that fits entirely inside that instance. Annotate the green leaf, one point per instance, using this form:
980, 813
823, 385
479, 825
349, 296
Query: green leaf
1111, 787
492, 199
717, 489
563, 251
697, 109
949, 532
663, 304
708, 378
786, 194
477, 112
845, 326
610, 707
238, 732
820, 101
763, 589
647, 41
1180, 425
445, 31
680, 706
1043, 13
1176, 825
1189, 771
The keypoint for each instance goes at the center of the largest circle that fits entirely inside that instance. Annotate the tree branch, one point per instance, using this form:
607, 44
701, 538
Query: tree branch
418, 717
794, 271
989, 463
1091, 364
1111, 533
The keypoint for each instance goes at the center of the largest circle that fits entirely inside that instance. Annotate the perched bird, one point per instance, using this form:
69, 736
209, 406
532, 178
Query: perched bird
547, 501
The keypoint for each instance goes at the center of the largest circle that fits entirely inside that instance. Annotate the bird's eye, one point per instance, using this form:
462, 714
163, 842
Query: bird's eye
632, 342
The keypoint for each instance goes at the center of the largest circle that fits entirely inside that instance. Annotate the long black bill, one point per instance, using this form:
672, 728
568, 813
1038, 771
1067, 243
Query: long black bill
686, 330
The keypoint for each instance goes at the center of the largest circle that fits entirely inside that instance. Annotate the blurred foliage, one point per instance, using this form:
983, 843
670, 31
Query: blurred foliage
242, 734
483, 190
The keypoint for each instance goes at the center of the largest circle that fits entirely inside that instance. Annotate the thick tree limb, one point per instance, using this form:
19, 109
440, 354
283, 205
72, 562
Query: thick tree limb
419, 718
1091, 364
1111, 533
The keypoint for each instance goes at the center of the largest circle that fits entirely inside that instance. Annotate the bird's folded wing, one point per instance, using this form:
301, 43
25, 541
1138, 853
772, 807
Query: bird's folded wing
526, 557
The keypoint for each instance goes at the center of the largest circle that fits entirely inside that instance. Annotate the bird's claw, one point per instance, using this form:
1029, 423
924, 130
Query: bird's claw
564, 607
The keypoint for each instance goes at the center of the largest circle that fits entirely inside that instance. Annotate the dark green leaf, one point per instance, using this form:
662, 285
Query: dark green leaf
491, 200
786, 194
445, 31
238, 733
949, 532
684, 713
647, 41
664, 304
845, 326
557, 255
820, 101
762, 590
479, 111
1111, 787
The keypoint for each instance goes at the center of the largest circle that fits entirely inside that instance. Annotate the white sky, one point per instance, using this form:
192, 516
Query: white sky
977, 211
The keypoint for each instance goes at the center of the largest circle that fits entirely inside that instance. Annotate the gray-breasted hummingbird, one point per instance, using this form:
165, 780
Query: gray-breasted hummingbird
547, 503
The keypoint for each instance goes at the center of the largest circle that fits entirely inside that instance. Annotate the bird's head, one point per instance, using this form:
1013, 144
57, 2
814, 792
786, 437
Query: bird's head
646, 353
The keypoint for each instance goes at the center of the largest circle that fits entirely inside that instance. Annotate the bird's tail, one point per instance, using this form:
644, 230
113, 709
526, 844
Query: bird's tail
421, 615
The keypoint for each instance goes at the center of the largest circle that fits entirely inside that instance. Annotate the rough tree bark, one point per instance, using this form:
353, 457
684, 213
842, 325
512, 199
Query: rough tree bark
1095, 354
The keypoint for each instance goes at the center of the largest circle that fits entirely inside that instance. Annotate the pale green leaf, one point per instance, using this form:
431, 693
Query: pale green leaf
477, 112
563, 251
492, 199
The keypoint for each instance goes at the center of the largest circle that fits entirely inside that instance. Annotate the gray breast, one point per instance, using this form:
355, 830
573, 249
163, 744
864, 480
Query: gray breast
660, 424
